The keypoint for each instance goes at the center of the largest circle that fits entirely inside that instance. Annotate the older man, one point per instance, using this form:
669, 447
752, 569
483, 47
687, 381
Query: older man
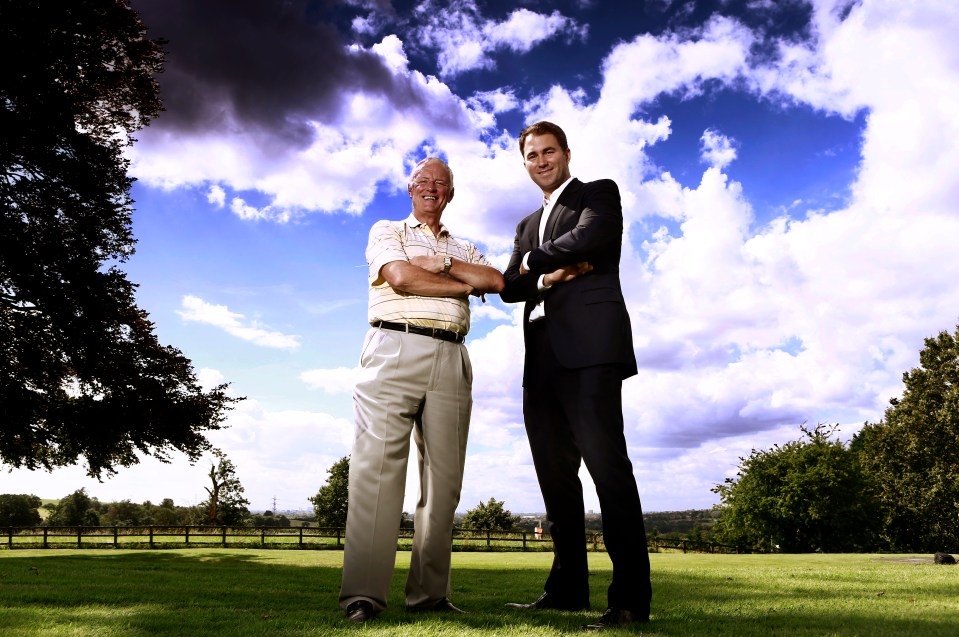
416, 379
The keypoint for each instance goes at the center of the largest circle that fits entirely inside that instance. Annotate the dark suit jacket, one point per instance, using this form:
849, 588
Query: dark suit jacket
586, 318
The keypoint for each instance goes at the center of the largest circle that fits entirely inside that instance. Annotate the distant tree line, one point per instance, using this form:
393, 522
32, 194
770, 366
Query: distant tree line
80, 509
225, 505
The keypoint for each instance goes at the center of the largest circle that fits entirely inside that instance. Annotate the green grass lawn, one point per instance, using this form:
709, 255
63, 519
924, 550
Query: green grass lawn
247, 592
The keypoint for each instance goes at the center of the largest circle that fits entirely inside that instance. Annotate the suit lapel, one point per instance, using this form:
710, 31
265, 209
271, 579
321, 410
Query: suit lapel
554, 214
533, 228
559, 209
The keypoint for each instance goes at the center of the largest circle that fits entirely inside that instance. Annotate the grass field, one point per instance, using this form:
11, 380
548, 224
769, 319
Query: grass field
251, 592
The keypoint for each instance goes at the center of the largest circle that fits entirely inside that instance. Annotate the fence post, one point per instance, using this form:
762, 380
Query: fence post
45, 529
338, 536
487, 538
301, 537
151, 536
524, 540
79, 535
223, 535
262, 536
116, 541
10, 537
187, 530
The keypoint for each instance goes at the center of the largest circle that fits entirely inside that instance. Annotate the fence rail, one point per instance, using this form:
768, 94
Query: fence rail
294, 538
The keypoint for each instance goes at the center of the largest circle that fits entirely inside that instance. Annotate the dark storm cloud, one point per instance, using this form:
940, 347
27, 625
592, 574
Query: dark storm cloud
269, 66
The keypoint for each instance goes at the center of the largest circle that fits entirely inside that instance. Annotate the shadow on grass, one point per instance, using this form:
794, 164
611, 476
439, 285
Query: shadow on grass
242, 592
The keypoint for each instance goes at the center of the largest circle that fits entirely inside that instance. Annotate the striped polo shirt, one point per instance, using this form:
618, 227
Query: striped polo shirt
399, 241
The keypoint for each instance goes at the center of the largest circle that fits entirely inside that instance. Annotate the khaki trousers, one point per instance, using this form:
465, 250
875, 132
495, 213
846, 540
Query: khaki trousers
410, 384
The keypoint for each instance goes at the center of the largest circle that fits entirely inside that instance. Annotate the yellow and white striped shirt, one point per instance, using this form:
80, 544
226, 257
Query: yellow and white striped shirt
400, 241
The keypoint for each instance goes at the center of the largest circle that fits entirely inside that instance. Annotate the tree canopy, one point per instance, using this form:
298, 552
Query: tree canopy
913, 453
489, 516
802, 496
331, 501
82, 374
19, 510
76, 509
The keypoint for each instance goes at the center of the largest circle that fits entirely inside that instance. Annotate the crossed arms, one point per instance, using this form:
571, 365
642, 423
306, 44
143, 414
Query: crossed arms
598, 229
424, 276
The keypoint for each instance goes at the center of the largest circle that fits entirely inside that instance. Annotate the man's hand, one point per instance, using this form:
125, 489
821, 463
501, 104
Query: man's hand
431, 263
566, 273
477, 279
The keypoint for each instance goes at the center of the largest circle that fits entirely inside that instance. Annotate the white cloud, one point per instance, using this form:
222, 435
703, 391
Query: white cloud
485, 105
717, 150
465, 41
247, 212
216, 196
524, 29
391, 50
489, 312
197, 310
899, 62
210, 378
337, 167
333, 381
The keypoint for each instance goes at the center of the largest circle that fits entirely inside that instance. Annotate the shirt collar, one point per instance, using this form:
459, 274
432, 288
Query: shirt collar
413, 222
549, 203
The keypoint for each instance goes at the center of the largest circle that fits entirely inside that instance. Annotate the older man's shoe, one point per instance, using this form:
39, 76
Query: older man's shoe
616, 617
550, 602
442, 606
360, 611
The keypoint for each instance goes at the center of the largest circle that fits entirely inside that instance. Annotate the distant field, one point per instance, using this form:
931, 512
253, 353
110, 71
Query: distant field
43, 510
252, 592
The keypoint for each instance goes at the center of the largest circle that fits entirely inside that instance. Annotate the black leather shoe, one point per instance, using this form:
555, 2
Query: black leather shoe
442, 606
360, 611
616, 617
550, 602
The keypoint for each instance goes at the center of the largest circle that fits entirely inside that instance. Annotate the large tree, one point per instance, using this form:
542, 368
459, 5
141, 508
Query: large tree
124, 513
226, 505
489, 516
76, 509
19, 510
82, 374
331, 501
802, 496
913, 453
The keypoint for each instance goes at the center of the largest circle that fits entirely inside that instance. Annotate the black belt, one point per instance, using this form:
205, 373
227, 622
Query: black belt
433, 332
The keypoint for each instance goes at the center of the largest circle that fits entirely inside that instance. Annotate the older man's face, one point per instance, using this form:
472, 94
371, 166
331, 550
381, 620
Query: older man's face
431, 190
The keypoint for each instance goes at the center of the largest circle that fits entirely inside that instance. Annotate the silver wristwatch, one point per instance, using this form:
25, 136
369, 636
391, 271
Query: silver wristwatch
447, 264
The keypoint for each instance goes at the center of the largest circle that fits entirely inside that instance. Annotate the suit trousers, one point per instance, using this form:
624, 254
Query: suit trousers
574, 416
410, 385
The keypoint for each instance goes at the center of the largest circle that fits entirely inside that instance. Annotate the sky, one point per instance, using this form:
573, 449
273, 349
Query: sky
788, 174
